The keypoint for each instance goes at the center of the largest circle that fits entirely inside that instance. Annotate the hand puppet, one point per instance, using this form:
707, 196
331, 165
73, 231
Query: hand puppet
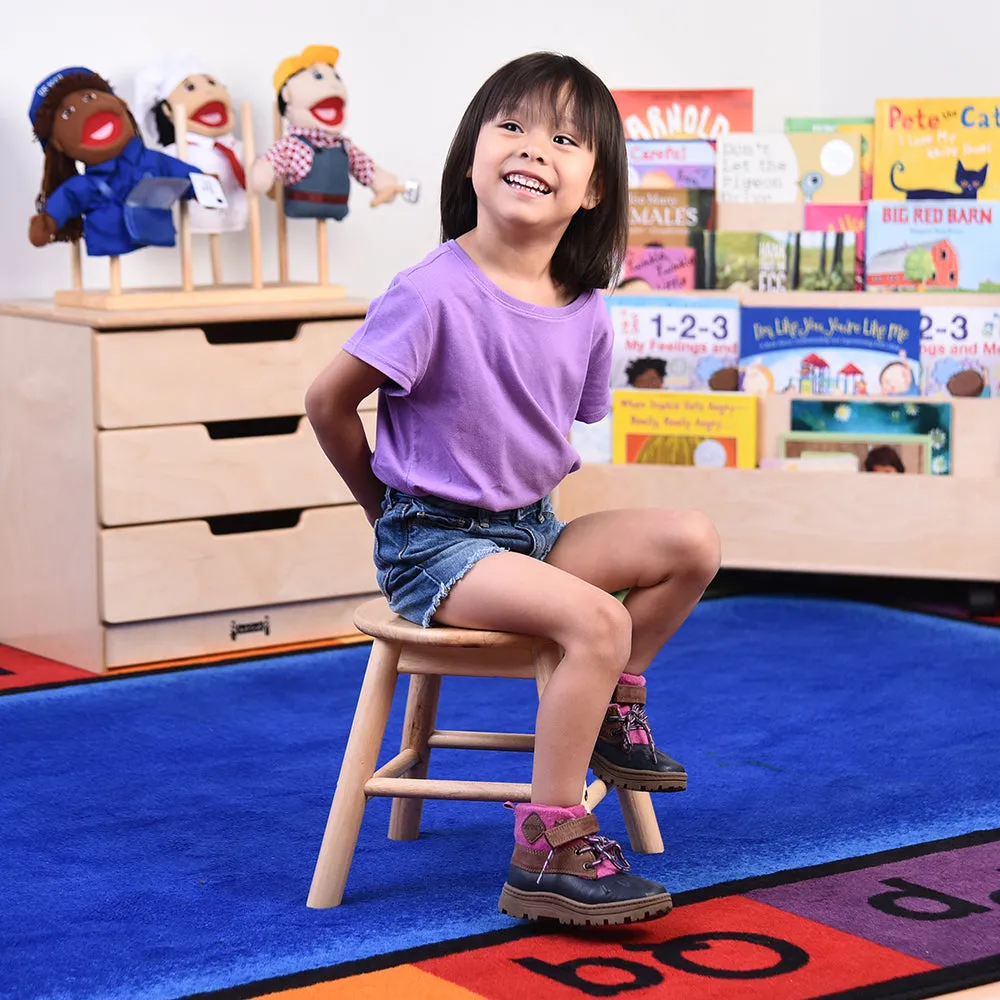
315, 160
78, 118
211, 145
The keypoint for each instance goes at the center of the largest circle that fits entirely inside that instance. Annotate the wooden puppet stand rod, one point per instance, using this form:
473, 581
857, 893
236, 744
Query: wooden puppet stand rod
116, 298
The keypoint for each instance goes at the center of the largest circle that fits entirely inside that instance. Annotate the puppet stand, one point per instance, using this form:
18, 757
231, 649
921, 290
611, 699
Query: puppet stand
187, 295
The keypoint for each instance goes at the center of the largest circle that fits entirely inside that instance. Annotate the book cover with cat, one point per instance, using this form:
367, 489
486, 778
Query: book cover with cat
778, 261
865, 127
768, 168
674, 342
821, 351
679, 163
684, 114
936, 148
923, 245
708, 430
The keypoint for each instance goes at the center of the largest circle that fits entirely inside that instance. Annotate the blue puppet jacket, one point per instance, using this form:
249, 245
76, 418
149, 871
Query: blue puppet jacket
98, 196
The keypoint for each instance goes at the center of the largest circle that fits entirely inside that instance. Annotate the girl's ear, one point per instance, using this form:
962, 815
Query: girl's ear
594, 193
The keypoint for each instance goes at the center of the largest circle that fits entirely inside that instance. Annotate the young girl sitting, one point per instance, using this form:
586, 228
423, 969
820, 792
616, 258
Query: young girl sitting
484, 353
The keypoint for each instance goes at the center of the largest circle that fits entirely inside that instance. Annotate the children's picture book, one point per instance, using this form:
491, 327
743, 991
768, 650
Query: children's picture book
660, 268
783, 261
707, 430
877, 423
960, 351
814, 461
872, 452
865, 127
941, 245
658, 215
674, 342
678, 163
850, 218
820, 352
788, 167
684, 114
937, 148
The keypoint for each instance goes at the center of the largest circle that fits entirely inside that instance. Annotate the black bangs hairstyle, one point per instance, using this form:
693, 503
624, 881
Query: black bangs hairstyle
592, 250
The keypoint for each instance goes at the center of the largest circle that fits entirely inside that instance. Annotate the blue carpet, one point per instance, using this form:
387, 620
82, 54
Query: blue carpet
159, 832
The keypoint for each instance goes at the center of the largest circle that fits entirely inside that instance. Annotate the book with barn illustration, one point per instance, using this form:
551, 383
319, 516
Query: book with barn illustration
951, 245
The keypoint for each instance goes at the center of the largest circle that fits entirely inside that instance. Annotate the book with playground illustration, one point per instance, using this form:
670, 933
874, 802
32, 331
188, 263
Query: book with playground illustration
819, 352
708, 430
941, 245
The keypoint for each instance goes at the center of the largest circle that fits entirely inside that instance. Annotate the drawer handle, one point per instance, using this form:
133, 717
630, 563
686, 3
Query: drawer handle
257, 332
258, 520
253, 427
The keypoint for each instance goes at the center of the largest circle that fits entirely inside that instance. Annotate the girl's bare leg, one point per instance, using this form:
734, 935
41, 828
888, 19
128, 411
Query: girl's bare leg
668, 558
515, 593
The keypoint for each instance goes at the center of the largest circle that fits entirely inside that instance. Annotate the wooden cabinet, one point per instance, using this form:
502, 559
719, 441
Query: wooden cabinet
162, 495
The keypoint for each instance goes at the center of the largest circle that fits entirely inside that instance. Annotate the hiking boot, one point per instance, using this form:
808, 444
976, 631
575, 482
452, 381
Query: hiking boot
562, 869
625, 754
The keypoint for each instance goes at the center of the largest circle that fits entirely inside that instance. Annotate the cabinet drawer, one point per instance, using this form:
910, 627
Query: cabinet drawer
180, 377
165, 570
179, 472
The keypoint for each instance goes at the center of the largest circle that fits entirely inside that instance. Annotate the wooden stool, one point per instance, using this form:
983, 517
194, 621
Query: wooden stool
400, 647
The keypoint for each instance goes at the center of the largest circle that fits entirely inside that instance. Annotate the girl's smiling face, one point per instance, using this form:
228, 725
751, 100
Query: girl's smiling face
532, 168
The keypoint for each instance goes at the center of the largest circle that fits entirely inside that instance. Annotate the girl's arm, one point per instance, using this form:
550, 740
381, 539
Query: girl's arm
332, 408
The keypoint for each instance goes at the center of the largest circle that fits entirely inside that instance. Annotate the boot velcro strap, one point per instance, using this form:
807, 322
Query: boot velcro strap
630, 694
572, 829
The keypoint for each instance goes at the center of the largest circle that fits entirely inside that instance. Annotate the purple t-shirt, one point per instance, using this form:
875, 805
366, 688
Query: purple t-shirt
483, 386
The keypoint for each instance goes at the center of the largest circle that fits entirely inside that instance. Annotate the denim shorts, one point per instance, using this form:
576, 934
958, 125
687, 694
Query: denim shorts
424, 545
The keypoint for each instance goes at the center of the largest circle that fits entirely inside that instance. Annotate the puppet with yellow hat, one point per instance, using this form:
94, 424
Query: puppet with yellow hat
314, 160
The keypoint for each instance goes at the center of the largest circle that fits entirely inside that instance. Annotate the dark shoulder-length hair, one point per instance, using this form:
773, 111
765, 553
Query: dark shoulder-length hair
592, 250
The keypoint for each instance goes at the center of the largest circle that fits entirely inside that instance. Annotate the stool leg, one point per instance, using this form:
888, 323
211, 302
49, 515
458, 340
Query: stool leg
640, 821
421, 714
360, 757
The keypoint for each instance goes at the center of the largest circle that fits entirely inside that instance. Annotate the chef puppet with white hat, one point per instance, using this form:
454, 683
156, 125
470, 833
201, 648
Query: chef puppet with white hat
211, 145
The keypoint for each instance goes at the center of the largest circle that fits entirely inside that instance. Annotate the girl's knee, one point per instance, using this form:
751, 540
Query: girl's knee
698, 547
604, 630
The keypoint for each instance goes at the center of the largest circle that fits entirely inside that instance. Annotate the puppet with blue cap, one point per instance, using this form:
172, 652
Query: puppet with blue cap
78, 118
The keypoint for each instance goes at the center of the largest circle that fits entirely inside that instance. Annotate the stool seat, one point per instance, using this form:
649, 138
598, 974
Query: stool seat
376, 619
427, 655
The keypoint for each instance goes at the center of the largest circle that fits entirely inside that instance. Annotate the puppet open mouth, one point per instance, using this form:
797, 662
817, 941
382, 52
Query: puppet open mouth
101, 129
330, 111
212, 114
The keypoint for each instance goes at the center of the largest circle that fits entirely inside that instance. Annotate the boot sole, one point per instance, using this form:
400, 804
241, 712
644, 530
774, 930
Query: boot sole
550, 906
638, 781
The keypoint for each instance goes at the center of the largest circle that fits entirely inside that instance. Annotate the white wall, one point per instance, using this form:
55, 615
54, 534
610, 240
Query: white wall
411, 67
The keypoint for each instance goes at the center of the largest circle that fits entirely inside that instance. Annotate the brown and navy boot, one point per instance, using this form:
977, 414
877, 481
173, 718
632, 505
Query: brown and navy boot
562, 869
625, 754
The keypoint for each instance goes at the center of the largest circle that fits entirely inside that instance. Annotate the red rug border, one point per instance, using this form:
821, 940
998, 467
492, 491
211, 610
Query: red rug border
917, 987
